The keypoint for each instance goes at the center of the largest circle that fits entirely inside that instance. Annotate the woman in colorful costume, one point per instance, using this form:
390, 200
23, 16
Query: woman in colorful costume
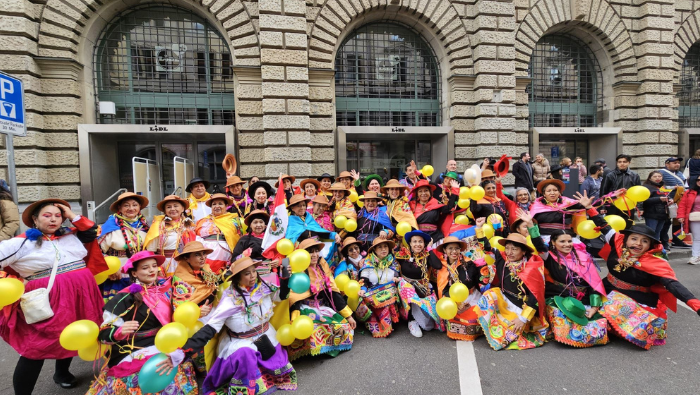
320, 213
429, 213
416, 295
511, 312
219, 231
262, 195
250, 359
256, 222
302, 224
123, 235
552, 211
522, 201
73, 296
379, 276
353, 260
333, 323
288, 187
340, 203
491, 204
397, 207
239, 196
641, 285
372, 221
310, 189
194, 281
170, 232
131, 321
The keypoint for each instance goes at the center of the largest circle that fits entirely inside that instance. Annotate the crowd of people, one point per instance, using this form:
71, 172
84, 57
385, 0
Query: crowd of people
414, 245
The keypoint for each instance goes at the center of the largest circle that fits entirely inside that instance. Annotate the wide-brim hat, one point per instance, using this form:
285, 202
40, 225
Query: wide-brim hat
321, 199
422, 184
27, 213
296, 199
516, 238
542, 184
193, 246
221, 196
393, 183
325, 175
572, 308
256, 214
238, 265
451, 240
487, 173
451, 175
338, 186
142, 200
408, 236
515, 224
643, 230
229, 164
343, 174
196, 180
310, 242
371, 177
172, 198
317, 184
260, 184
140, 256
377, 242
502, 165
369, 195
348, 242
285, 177
234, 180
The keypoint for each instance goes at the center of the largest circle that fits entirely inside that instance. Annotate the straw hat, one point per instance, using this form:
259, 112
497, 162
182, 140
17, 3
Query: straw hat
310, 242
172, 198
338, 186
343, 174
140, 256
221, 196
550, 181
262, 214
143, 201
487, 174
451, 240
296, 199
310, 181
322, 199
519, 239
27, 213
234, 180
378, 242
393, 184
285, 177
240, 264
192, 246
369, 195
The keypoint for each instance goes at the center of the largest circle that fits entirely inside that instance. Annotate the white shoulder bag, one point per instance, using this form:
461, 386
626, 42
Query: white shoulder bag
35, 304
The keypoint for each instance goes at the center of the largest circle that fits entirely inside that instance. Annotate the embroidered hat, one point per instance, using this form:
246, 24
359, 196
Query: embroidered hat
238, 265
262, 214
572, 308
192, 246
426, 237
285, 177
140, 256
378, 242
172, 198
27, 213
260, 184
518, 239
195, 181
451, 240
550, 181
219, 196
142, 200
393, 184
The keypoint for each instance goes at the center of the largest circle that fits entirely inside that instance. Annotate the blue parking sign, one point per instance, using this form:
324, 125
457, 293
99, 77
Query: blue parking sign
11, 106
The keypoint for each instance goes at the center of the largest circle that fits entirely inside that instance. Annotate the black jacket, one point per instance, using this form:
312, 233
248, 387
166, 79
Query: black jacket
653, 207
523, 176
617, 179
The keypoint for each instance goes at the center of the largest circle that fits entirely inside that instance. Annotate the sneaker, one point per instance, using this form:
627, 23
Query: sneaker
694, 260
414, 328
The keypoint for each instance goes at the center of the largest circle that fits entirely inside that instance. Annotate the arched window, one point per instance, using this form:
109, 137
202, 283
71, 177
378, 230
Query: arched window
386, 75
164, 65
689, 95
567, 85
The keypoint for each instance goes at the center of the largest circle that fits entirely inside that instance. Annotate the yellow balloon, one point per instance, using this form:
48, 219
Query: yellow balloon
341, 281
446, 308
616, 222
469, 213
488, 231
402, 228
359, 202
427, 170
340, 221
464, 193
302, 327
586, 229
10, 291
197, 326
477, 192
463, 203
187, 314
638, 193
462, 220
352, 289
285, 247
285, 335
299, 260
171, 337
353, 303
351, 225
79, 334
489, 259
353, 196
114, 265
101, 277
625, 203
93, 352
495, 244
459, 292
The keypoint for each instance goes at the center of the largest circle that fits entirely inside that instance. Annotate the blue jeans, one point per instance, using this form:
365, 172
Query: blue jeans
657, 225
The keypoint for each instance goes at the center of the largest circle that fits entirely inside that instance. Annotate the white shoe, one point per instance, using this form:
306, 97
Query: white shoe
414, 328
694, 260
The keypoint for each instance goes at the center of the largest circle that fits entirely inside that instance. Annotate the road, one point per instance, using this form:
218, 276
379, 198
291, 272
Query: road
402, 364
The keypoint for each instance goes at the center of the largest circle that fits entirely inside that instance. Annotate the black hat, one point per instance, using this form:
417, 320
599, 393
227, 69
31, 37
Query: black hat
642, 230
268, 188
600, 160
326, 175
555, 168
673, 159
196, 180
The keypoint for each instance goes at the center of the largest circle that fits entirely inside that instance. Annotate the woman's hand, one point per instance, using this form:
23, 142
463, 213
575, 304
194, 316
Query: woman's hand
383, 235
454, 184
352, 322
590, 312
462, 307
165, 366
518, 325
274, 263
355, 175
116, 276
338, 239
129, 327
527, 218
204, 309
480, 222
584, 200
67, 213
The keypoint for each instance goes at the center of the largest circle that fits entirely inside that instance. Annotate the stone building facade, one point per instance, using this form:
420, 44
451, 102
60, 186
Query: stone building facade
284, 71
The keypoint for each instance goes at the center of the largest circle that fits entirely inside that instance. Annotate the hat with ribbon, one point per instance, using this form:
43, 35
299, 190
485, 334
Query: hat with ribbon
142, 200
572, 308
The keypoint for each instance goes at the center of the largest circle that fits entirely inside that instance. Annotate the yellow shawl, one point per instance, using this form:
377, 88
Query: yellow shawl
316, 281
399, 210
229, 225
194, 201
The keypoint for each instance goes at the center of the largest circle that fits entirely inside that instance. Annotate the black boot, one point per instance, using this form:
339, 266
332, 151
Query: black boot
63, 376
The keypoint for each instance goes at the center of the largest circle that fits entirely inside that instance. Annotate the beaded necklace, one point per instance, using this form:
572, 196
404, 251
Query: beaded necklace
626, 261
131, 233
514, 269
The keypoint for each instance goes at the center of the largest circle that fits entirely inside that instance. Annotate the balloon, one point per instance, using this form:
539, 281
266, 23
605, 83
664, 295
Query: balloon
114, 265
187, 314
10, 291
93, 352
427, 170
197, 326
285, 335
625, 203
489, 259
285, 247
341, 281
495, 244
101, 277
299, 282
352, 289
616, 222
459, 292
351, 225
79, 334
353, 303
464, 193
529, 242
302, 327
446, 308
470, 176
353, 196
402, 228
463, 203
152, 382
488, 231
299, 260
586, 229
339, 221
477, 192
469, 213
638, 193
462, 220
359, 202
171, 337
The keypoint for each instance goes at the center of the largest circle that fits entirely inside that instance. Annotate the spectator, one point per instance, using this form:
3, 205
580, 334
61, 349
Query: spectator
591, 185
451, 167
655, 209
693, 164
540, 169
565, 162
673, 178
606, 169
522, 170
487, 164
581, 169
688, 216
621, 177
9, 214
556, 172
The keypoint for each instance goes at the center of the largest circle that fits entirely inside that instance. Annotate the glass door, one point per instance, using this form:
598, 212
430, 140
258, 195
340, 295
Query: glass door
556, 150
387, 158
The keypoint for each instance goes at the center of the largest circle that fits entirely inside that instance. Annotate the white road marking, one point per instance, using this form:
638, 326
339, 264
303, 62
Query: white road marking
686, 306
469, 380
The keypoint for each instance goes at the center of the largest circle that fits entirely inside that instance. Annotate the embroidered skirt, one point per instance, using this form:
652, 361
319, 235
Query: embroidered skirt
379, 306
565, 331
332, 333
465, 325
496, 316
639, 324
185, 383
408, 298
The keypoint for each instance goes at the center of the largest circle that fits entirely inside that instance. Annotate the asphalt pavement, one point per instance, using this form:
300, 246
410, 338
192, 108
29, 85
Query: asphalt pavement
402, 364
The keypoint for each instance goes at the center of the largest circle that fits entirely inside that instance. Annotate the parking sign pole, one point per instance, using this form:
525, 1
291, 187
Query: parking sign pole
11, 176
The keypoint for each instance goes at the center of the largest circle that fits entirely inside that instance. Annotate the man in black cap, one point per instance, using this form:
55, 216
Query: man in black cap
606, 169
675, 180
197, 188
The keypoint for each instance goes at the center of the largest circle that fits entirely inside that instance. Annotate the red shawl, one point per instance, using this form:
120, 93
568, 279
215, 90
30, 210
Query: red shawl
432, 204
533, 277
649, 264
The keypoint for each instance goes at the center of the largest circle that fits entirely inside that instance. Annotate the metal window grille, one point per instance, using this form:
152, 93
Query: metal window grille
567, 84
689, 95
164, 65
386, 75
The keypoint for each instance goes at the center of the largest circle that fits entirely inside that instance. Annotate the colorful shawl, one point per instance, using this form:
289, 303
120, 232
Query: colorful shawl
344, 207
379, 215
324, 220
228, 224
191, 286
296, 227
399, 210
542, 206
157, 298
186, 233
112, 224
584, 267
532, 276
432, 204
321, 279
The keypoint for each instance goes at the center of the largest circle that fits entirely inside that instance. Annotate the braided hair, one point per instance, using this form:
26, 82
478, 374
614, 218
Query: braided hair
234, 285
